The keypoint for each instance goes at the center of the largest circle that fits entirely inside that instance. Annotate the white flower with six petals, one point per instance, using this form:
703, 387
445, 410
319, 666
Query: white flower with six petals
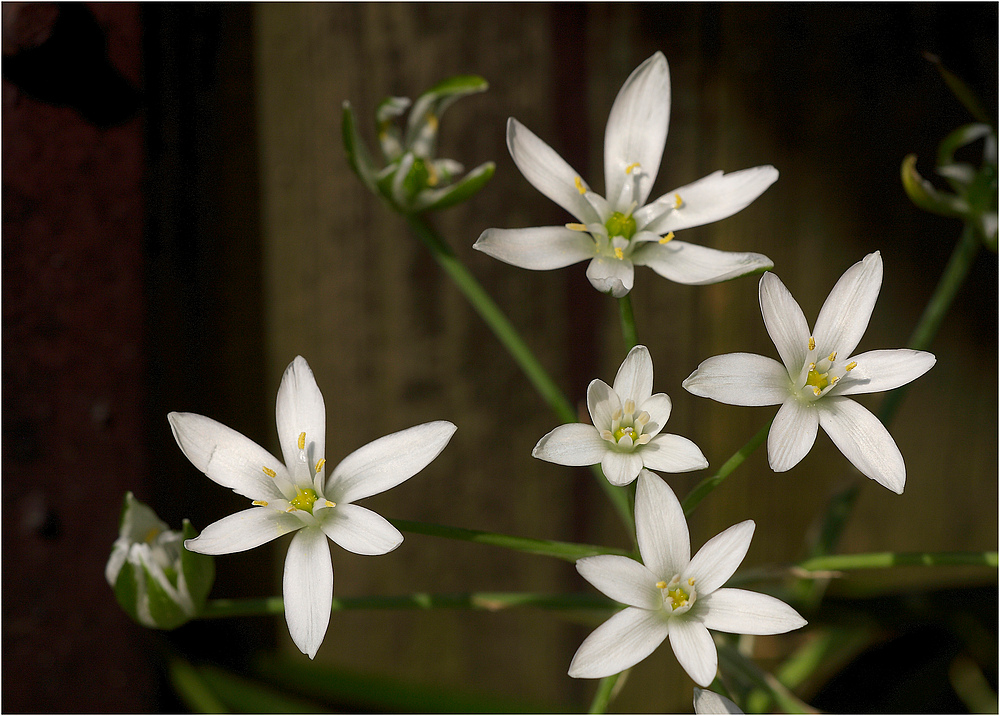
625, 435
297, 496
816, 374
620, 230
670, 595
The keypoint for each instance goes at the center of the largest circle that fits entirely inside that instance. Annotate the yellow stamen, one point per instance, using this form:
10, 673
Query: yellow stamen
260, 503
619, 254
630, 167
576, 227
691, 581
661, 585
678, 202
832, 357
851, 366
331, 504
669, 237
302, 441
432, 121
579, 185
151, 535
817, 391
269, 472
319, 465
812, 343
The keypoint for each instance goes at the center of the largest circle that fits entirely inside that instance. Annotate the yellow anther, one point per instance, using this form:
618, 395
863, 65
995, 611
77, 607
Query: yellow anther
290, 509
851, 366
331, 504
812, 343
678, 202
260, 503
817, 391
835, 380
619, 254
667, 238
151, 535
432, 175
319, 465
579, 185
832, 357
576, 227
630, 167
691, 581
661, 585
432, 121
302, 441
269, 472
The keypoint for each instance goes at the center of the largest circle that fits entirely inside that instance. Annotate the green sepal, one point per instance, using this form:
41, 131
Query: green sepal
357, 153
925, 196
164, 611
198, 570
127, 593
470, 184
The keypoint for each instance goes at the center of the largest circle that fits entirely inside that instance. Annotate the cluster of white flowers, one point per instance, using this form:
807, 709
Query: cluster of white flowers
668, 594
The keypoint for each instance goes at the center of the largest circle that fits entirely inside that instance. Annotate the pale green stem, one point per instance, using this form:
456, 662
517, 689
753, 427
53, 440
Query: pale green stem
192, 689
955, 273
515, 345
703, 488
731, 659
562, 550
629, 332
607, 689
882, 560
486, 601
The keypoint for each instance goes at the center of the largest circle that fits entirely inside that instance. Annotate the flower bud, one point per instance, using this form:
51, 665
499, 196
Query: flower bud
157, 582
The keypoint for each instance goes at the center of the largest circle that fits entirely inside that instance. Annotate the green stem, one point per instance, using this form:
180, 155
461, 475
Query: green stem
486, 601
607, 689
562, 550
882, 560
515, 345
629, 332
703, 488
955, 273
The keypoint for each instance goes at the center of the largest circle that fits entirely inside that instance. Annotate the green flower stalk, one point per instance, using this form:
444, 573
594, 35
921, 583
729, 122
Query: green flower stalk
157, 582
413, 179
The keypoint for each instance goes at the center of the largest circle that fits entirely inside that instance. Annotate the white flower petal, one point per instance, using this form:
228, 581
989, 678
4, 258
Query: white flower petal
740, 379
792, 434
243, 530
658, 407
717, 196
620, 643
388, 461
227, 457
603, 403
661, 529
696, 265
672, 453
611, 275
359, 530
634, 380
785, 323
694, 649
719, 558
574, 444
637, 129
307, 587
621, 467
737, 611
845, 314
547, 171
300, 409
883, 370
709, 702
863, 440
539, 248
623, 579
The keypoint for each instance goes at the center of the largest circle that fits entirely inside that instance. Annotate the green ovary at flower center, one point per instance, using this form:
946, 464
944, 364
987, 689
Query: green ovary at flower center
621, 225
817, 380
677, 598
304, 499
627, 430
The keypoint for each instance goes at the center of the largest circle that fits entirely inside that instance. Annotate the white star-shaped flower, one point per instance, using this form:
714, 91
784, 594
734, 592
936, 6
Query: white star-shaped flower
625, 435
620, 230
297, 496
817, 372
671, 596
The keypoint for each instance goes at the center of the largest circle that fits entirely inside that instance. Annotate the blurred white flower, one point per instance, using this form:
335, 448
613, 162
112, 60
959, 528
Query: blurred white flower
709, 702
625, 435
296, 496
621, 230
817, 373
671, 596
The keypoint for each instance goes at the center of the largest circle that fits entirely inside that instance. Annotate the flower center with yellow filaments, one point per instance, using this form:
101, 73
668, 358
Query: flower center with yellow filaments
679, 598
626, 427
821, 375
305, 497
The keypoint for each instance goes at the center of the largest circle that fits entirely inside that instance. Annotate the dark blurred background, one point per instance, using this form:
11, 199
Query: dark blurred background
179, 223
